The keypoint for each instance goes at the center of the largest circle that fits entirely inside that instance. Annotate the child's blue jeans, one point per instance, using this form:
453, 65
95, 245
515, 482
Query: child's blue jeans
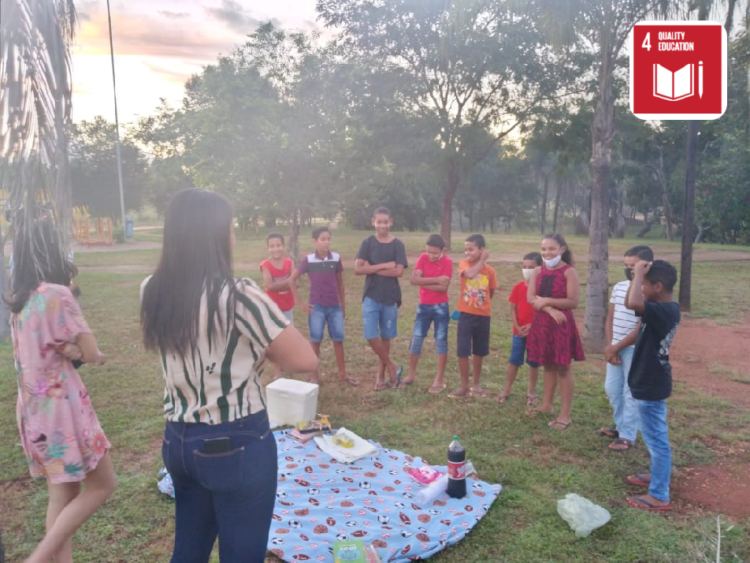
624, 406
653, 418
426, 315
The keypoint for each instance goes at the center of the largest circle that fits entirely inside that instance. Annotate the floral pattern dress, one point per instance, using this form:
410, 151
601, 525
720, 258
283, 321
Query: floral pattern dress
60, 432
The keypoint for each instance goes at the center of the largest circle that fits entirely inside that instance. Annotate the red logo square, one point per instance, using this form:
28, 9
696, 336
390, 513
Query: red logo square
678, 70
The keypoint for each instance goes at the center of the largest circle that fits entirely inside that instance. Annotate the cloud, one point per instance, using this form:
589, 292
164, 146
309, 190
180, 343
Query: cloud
174, 15
144, 35
235, 16
173, 75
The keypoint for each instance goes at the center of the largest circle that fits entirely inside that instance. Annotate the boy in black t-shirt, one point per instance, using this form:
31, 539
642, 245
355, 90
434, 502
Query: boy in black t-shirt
650, 377
382, 258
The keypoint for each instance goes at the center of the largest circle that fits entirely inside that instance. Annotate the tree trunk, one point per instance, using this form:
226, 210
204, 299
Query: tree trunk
543, 209
602, 131
688, 222
294, 239
665, 196
4, 311
557, 205
447, 218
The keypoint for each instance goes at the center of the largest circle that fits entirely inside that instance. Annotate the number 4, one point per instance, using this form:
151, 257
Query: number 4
647, 42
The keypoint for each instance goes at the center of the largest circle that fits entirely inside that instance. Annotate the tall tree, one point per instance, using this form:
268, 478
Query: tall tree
470, 66
94, 166
602, 26
703, 8
35, 106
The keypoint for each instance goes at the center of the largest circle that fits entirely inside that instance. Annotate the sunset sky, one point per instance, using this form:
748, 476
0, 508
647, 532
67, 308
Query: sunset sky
159, 44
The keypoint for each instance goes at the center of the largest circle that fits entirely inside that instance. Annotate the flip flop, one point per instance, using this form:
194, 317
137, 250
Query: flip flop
405, 383
457, 394
621, 442
638, 479
564, 425
643, 504
399, 372
533, 413
382, 386
435, 389
610, 432
532, 400
479, 394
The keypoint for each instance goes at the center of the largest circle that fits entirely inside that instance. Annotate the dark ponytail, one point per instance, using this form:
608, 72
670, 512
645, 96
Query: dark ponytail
567, 256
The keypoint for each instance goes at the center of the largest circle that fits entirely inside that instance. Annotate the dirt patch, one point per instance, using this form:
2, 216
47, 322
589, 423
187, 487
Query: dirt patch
722, 488
709, 358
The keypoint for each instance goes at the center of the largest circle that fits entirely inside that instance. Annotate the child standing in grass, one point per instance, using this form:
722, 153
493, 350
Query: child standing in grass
650, 377
478, 285
60, 432
432, 274
553, 339
382, 258
621, 332
276, 270
327, 305
522, 314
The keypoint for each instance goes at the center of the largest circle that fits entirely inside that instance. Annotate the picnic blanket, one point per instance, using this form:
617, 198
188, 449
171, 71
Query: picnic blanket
320, 500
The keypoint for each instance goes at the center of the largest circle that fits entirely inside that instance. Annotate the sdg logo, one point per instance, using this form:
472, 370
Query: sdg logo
678, 70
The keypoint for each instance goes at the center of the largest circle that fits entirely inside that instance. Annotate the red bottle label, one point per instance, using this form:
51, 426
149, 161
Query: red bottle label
457, 470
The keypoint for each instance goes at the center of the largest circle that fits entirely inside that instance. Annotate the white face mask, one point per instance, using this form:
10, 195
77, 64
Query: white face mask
527, 273
554, 262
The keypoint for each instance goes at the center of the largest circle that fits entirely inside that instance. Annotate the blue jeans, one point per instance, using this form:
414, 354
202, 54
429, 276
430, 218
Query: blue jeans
379, 320
426, 315
326, 315
229, 494
624, 406
653, 416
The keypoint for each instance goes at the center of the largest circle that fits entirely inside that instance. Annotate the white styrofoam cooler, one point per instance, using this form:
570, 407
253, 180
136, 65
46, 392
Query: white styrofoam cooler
291, 401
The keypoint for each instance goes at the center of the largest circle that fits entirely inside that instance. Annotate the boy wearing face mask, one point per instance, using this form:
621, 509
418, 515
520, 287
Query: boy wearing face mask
621, 332
522, 313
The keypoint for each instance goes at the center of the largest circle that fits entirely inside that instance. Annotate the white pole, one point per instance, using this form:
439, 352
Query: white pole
117, 124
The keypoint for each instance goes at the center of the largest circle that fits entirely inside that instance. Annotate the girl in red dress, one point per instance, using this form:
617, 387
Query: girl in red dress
553, 340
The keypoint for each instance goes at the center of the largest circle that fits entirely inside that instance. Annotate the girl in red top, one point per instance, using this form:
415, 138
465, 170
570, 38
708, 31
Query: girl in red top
553, 340
276, 270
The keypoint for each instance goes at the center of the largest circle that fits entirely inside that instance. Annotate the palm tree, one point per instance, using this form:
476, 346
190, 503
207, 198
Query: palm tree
35, 109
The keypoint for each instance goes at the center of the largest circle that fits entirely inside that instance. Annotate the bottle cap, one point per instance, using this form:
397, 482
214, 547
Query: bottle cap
455, 438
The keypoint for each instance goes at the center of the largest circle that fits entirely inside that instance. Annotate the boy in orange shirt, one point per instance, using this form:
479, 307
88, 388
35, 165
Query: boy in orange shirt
522, 313
478, 285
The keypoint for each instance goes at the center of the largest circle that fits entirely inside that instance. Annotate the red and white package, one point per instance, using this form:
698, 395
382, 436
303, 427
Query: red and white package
425, 474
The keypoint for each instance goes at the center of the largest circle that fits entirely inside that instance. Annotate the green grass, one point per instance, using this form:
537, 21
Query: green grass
535, 465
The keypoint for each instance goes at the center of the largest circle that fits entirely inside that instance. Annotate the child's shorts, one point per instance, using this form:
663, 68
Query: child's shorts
518, 352
323, 315
473, 335
379, 320
289, 315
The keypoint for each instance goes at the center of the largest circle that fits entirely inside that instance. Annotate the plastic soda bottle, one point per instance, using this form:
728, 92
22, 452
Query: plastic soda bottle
456, 469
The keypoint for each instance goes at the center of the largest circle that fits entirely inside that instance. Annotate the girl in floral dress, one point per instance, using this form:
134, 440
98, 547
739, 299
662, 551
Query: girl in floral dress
60, 433
553, 339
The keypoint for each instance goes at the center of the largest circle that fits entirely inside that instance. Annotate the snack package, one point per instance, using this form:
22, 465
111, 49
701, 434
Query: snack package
425, 474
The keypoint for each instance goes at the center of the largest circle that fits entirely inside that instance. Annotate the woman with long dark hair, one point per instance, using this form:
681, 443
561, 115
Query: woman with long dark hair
60, 432
214, 333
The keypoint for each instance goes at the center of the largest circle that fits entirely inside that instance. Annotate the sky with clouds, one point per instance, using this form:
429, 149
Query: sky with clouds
159, 44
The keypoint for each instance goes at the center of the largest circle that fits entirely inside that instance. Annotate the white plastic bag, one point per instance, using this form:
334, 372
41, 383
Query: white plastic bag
582, 515
439, 486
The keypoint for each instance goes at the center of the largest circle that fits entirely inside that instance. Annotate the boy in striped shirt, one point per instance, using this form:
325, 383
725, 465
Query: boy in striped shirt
621, 332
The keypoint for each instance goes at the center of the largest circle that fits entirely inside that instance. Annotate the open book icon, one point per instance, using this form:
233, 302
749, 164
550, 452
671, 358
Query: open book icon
673, 86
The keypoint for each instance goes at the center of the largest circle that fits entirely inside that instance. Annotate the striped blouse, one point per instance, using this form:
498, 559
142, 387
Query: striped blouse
624, 320
220, 380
